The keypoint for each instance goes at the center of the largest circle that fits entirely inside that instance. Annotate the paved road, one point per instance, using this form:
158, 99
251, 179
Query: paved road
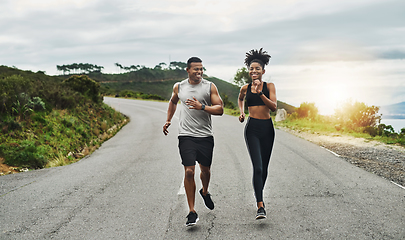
130, 188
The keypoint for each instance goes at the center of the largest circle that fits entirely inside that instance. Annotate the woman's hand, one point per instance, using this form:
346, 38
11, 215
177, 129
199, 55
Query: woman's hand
242, 117
256, 84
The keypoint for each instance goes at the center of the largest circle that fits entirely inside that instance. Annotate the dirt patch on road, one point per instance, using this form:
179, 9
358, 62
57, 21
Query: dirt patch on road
5, 169
387, 161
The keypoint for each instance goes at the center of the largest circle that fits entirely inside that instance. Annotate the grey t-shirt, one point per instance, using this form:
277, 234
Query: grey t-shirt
193, 122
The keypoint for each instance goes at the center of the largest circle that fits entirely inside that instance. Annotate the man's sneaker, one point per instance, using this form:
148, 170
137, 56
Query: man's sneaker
207, 200
261, 213
192, 219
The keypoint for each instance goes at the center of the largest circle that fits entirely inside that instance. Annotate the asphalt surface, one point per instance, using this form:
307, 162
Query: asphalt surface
131, 188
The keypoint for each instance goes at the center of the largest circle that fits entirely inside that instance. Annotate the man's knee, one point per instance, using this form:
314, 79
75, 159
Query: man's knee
205, 170
189, 173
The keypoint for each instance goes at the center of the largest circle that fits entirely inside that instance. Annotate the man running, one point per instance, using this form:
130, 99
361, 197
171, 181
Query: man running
199, 100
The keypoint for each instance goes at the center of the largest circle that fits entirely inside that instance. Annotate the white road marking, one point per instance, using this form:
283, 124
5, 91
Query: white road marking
398, 185
182, 190
337, 155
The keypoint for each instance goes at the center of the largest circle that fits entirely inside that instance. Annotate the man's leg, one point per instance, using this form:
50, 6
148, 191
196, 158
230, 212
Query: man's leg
205, 180
205, 177
189, 186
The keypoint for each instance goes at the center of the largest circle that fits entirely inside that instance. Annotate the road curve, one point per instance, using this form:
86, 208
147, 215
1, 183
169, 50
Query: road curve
130, 188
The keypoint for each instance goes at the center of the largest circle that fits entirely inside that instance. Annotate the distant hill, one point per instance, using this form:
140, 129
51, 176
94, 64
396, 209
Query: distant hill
164, 88
9, 71
393, 111
145, 80
154, 81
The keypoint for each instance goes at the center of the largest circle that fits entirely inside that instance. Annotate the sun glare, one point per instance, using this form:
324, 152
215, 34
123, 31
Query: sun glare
335, 86
331, 97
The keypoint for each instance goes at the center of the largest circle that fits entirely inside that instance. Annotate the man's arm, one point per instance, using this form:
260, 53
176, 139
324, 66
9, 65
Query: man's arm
217, 106
241, 102
172, 108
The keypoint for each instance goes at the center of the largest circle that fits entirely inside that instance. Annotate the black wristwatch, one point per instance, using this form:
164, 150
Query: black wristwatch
260, 93
202, 106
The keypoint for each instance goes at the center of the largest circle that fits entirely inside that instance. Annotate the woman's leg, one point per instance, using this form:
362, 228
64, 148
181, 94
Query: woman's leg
253, 145
267, 142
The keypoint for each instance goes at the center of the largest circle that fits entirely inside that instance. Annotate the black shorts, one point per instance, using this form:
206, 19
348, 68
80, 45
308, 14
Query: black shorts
198, 149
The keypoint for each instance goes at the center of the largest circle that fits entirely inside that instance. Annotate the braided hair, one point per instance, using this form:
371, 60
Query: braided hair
260, 57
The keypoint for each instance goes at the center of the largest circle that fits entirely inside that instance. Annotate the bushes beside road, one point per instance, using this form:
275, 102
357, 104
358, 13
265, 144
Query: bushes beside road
46, 121
353, 118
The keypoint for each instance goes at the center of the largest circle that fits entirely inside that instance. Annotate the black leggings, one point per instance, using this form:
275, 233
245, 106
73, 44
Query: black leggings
259, 137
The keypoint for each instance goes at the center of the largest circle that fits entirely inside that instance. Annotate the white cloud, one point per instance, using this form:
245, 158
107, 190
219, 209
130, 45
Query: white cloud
348, 44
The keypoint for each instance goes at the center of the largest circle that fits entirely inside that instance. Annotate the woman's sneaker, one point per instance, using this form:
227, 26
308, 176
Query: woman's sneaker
192, 219
261, 213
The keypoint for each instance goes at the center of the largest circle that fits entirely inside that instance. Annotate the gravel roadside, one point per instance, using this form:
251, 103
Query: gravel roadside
387, 161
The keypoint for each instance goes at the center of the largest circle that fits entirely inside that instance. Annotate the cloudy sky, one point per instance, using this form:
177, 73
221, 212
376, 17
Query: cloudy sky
322, 51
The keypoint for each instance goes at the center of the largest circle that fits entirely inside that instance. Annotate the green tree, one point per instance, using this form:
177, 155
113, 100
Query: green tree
63, 68
14, 93
242, 77
74, 66
227, 102
59, 68
134, 68
84, 85
307, 110
84, 67
357, 115
178, 65
97, 68
119, 65
160, 65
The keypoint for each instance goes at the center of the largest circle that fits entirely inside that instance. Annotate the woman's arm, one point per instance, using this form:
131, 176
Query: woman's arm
271, 102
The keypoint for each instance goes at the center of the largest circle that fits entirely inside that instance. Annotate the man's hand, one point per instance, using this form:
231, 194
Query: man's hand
193, 104
165, 127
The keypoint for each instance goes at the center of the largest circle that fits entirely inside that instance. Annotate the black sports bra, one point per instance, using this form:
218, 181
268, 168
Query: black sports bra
253, 99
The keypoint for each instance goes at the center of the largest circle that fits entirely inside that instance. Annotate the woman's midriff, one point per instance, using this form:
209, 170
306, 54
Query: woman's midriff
259, 112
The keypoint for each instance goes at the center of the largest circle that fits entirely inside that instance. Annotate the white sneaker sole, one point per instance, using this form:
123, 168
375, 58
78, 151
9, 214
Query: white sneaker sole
192, 224
260, 217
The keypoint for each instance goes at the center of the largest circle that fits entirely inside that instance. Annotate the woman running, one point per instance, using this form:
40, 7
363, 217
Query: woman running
259, 131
